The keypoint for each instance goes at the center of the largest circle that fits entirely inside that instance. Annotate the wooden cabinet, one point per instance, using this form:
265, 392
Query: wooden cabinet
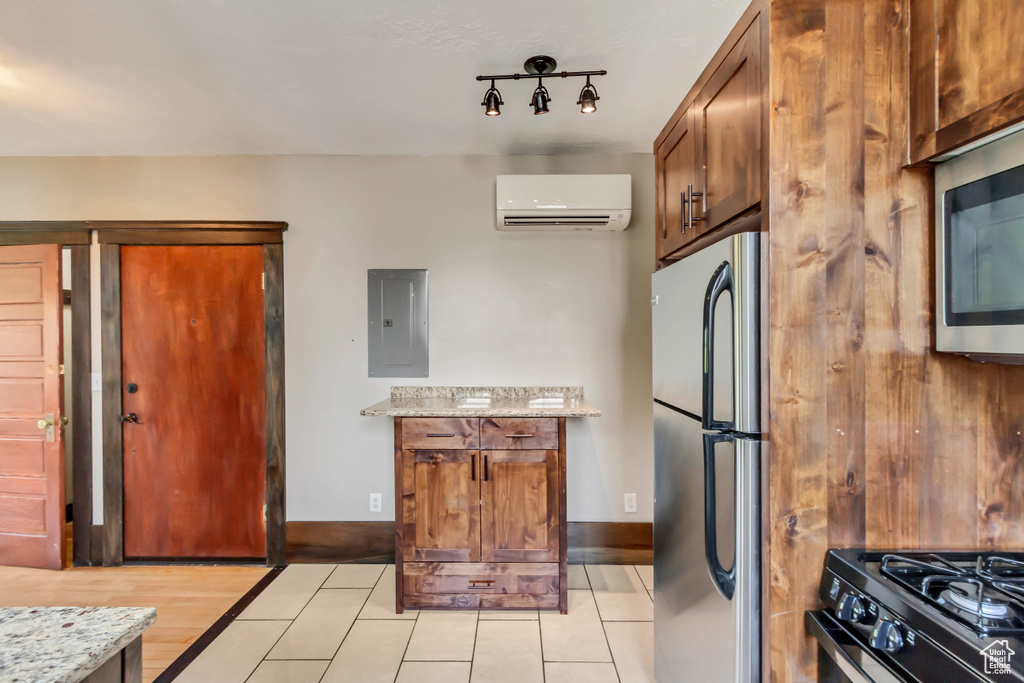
966, 72
728, 118
708, 157
480, 528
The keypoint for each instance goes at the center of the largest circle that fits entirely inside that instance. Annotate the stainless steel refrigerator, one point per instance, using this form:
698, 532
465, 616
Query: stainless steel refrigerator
707, 463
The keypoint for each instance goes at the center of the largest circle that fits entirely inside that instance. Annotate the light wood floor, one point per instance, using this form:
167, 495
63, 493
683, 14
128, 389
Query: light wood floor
187, 599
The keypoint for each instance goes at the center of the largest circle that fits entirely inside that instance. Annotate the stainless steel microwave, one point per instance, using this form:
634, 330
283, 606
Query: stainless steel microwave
979, 252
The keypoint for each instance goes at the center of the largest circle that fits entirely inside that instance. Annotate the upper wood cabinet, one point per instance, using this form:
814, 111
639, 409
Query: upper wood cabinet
966, 72
676, 172
728, 112
440, 506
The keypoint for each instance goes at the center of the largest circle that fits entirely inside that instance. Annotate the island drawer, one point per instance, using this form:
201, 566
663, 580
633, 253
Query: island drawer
435, 433
519, 433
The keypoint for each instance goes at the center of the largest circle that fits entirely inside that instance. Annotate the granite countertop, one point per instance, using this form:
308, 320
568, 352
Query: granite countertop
484, 402
65, 644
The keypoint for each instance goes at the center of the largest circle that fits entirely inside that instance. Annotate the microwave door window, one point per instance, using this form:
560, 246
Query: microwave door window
985, 251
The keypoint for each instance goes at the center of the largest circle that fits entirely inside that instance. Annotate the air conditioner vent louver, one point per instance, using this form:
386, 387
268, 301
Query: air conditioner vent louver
563, 202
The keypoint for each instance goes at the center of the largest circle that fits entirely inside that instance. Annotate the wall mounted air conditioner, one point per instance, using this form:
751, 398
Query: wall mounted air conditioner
563, 202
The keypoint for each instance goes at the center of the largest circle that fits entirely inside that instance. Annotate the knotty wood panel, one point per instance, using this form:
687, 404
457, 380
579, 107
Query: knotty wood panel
518, 433
193, 343
433, 433
440, 508
875, 439
519, 509
273, 312
31, 388
81, 403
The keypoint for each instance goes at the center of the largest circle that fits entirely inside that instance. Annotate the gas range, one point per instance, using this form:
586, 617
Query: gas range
924, 617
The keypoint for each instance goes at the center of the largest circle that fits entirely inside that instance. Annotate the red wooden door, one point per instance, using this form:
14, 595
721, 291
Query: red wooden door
31, 449
192, 336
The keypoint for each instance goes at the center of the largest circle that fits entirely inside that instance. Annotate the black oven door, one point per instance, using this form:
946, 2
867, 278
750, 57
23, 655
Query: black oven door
844, 658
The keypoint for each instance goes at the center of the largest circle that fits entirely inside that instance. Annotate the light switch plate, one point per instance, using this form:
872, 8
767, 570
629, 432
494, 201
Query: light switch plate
97, 381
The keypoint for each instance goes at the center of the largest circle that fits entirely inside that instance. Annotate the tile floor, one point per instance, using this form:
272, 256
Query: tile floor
320, 623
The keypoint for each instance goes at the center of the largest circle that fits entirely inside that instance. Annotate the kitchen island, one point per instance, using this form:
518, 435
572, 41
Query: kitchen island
480, 486
71, 644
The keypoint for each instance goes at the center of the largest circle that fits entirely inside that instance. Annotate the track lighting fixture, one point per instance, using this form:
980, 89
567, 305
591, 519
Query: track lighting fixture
588, 98
541, 67
492, 100
540, 99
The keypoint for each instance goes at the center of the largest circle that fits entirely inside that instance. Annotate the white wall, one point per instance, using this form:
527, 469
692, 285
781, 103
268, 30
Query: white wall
505, 308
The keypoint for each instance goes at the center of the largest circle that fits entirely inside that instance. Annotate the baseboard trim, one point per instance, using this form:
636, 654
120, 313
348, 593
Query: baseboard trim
374, 542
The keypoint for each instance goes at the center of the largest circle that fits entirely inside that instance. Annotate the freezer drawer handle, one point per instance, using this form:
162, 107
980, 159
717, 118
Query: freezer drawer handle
724, 580
721, 282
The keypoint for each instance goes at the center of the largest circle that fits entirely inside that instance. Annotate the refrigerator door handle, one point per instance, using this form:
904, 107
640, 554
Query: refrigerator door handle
720, 282
725, 581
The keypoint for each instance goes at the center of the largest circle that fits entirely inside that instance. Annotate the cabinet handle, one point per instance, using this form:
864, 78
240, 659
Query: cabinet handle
519, 436
482, 584
472, 467
682, 211
486, 473
441, 436
693, 196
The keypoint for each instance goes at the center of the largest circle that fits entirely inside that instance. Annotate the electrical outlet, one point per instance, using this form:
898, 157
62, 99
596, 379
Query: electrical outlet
375, 502
97, 381
630, 502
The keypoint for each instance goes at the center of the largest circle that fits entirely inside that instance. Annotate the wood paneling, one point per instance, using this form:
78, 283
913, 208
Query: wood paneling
374, 542
31, 389
273, 316
193, 345
519, 506
81, 403
432, 433
518, 433
875, 439
113, 463
440, 508
966, 72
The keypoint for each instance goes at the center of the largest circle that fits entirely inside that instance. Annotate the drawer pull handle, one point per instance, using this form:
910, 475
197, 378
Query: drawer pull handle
440, 436
519, 436
487, 584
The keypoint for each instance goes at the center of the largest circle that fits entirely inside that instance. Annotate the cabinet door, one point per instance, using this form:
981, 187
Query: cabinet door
440, 506
519, 506
676, 171
728, 119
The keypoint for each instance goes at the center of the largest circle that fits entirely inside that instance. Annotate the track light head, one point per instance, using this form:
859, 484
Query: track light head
492, 101
588, 98
540, 99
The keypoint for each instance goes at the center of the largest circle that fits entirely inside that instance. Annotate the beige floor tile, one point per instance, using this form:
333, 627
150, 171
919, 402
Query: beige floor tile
289, 671
646, 572
578, 577
381, 604
372, 652
354, 576
651, 593
579, 672
577, 636
434, 672
443, 636
235, 653
286, 595
319, 629
632, 646
507, 652
620, 593
509, 615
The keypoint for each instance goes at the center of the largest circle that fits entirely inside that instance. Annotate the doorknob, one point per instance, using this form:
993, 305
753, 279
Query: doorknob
131, 417
47, 424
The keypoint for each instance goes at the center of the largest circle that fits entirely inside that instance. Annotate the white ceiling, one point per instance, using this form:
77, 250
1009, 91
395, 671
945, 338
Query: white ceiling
210, 77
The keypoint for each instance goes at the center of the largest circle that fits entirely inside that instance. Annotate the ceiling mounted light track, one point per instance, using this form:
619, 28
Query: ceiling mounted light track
541, 67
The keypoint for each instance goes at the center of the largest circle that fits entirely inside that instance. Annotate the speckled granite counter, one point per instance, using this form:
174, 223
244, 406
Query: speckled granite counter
65, 644
484, 402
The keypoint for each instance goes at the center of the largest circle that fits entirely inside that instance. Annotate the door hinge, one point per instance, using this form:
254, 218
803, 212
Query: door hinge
264, 512
263, 281
60, 369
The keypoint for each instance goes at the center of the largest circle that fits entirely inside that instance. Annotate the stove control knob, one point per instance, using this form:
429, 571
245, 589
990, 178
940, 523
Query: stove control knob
850, 608
887, 636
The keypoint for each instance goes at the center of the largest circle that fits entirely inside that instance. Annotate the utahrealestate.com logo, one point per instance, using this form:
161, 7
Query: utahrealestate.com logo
997, 657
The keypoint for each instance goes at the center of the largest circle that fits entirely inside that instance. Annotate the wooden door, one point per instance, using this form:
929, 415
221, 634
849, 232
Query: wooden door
440, 506
519, 506
676, 172
729, 124
192, 329
31, 448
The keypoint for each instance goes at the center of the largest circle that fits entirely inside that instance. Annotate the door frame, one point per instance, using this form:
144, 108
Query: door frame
108, 547
75, 235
